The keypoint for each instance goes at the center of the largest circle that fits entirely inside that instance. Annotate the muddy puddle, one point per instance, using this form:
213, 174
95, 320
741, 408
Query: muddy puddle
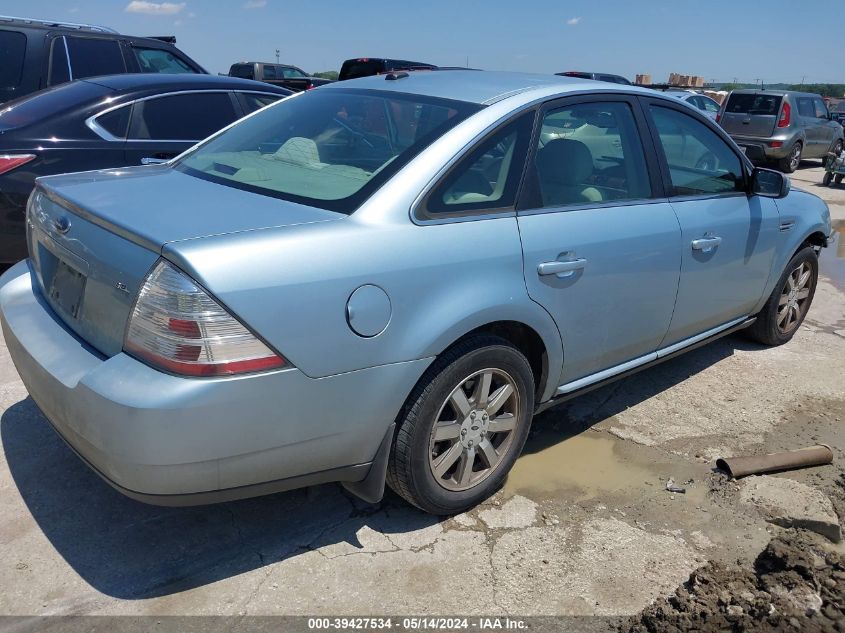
832, 261
587, 465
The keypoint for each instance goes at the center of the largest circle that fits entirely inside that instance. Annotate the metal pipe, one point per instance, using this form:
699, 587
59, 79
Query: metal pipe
788, 460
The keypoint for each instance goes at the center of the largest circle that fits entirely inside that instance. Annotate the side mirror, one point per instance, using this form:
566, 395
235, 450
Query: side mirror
769, 183
755, 154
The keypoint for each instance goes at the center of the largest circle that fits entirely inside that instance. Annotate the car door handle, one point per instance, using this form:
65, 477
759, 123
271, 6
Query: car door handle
563, 269
153, 161
706, 244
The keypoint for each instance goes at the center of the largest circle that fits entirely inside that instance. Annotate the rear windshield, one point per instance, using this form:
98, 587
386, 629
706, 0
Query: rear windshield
325, 148
244, 71
35, 108
753, 104
361, 68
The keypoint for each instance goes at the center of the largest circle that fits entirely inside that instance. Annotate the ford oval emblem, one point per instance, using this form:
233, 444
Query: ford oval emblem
62, 224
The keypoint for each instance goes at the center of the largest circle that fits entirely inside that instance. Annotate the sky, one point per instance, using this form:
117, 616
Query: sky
721, 40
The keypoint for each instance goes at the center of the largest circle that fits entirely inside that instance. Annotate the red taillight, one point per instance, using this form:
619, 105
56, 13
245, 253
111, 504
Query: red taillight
178, 327
785, 115
718, 117
777, 144
8, 162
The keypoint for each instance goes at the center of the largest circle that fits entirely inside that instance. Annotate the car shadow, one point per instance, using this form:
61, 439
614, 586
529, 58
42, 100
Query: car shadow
130, 550
579, 414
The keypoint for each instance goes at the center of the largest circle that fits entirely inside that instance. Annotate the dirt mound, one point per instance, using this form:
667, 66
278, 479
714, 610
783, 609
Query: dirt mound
795, 584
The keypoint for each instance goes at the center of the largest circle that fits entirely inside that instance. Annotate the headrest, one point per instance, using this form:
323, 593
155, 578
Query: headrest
565, 161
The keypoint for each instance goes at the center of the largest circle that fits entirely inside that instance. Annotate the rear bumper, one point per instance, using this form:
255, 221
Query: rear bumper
170, 440
772, 153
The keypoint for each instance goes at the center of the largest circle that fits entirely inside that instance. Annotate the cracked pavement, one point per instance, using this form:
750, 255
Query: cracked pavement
584, 525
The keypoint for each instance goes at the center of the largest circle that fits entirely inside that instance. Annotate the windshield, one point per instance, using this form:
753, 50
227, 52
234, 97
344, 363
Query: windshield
325, 148
745, 103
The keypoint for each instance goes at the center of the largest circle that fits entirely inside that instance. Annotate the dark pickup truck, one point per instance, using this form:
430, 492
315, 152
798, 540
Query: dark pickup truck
283, 75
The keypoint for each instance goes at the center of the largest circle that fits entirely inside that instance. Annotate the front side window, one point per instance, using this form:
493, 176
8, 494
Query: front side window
292, 73
699, 161
182, 117
489, 176
156, 60
12, 52
326, 148
591, 153
821, 109
90, 57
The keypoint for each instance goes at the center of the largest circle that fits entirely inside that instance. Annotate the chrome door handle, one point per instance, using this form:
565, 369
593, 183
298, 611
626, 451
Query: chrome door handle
563, 269
153, 161
706, 244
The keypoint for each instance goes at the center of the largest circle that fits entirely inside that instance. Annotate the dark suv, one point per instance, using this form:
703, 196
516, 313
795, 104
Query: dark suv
369, 66
37, 54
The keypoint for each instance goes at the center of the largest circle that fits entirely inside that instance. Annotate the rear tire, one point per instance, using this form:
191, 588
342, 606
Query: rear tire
456, 438
827, 178
790, 163
789, 302
837, 179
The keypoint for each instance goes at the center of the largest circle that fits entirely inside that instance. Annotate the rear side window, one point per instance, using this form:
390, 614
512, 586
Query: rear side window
268, 72
291, 73
805, 107
251, 101
591, 153
699, 161
183, 117
12, 52
116, 122
90, 57
753, 104
488, 178
155, 60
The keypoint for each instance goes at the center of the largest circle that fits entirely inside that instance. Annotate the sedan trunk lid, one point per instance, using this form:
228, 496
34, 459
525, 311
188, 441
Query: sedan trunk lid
93, 237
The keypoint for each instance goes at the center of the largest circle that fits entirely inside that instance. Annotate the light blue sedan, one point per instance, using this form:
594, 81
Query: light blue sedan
386, 278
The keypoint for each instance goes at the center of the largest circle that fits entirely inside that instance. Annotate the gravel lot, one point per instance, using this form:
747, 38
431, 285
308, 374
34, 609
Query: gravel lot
584, 525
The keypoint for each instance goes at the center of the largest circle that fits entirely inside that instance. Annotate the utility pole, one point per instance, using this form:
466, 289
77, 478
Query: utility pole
277, 55
803, 77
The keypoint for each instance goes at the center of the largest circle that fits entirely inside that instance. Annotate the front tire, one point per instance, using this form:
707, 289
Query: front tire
463, 426
827, 178
790, 163
789, 302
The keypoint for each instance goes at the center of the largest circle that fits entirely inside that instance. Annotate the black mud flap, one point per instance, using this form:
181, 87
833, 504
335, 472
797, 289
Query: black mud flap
371, 487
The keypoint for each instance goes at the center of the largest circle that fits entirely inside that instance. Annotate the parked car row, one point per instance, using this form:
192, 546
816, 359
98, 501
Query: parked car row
383, 281
110, 121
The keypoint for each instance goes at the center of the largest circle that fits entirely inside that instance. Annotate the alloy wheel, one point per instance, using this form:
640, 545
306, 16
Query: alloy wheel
793, 302
795, 156
474, 429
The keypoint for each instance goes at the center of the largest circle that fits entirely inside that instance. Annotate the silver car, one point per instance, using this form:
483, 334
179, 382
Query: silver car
710, 107
385, 278
783, 126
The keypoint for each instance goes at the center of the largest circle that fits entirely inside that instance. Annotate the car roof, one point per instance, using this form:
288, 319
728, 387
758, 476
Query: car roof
484, 87
777, 93
186, 81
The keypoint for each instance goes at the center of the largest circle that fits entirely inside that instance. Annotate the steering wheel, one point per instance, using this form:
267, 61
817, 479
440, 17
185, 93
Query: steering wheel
354, 132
